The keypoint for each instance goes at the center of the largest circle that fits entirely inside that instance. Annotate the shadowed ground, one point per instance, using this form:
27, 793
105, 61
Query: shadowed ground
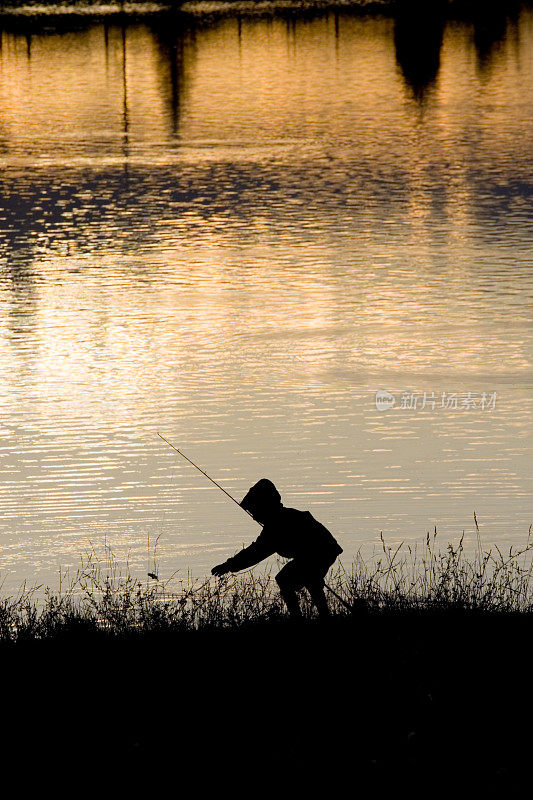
417, 699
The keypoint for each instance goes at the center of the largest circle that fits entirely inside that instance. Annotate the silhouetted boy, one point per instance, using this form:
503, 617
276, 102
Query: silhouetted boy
292, 534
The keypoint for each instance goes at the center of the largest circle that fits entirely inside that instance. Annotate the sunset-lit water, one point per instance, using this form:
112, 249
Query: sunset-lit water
235, 233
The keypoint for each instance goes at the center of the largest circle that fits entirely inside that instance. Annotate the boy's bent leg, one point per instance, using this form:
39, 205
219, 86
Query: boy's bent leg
289, 581
314, 584
316, 590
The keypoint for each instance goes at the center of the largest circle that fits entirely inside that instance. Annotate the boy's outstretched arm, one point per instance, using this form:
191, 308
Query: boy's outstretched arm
248, 557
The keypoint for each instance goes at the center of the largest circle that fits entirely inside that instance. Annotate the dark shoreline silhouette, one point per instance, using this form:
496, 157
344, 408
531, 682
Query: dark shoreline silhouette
449, 8
423, 688
415, 700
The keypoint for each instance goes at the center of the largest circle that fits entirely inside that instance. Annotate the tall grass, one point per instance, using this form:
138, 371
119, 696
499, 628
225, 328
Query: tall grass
428, 577
104, 598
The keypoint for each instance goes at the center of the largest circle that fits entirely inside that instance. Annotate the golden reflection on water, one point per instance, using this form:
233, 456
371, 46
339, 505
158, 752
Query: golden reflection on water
236, 233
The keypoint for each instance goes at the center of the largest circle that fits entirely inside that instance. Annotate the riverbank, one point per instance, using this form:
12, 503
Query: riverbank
389, 700
104, 598
200, 8
422, 684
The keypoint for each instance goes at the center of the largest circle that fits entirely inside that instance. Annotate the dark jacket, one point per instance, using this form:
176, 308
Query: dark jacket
291, 534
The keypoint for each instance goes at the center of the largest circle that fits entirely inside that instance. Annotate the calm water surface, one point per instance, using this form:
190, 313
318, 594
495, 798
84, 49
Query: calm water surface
235, 233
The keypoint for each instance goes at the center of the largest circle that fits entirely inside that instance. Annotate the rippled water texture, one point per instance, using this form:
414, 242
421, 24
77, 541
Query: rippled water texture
235, 233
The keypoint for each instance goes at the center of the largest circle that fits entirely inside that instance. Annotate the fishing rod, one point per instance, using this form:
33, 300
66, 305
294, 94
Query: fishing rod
333, 592
204, 473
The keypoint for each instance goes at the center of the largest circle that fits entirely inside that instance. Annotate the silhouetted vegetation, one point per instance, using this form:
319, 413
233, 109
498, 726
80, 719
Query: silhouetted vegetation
105, 599
423, 684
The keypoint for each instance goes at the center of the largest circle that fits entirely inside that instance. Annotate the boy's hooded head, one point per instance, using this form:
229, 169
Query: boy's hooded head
262, 500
